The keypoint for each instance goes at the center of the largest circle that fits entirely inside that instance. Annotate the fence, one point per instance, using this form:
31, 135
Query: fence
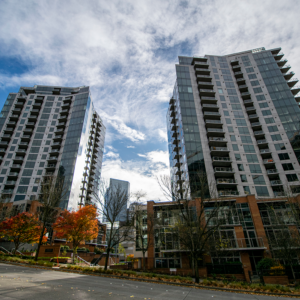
225, 269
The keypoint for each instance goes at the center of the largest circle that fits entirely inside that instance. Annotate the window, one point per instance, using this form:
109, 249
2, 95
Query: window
29, 164
231, 92
235, 147
218, 84
291, 177
236, 107
220, 91
244, 178
48, 143
7, 163
229, 84
255, 83
272, 128
37, 180
227, 77
230, 129
249, 148
22, 189
276, 137
226, 113
34, 189
249, 70
43, 123
44, 156
215, 70
42, 163
36, 143
246, 190
243, 130
245, 58
258, 179
232, 138
260, 97
241, 122
266, 112
228, 121
1, 179
247, 64
34, 149
17, 134
38, 136
246, 139
257, 90
39, 172
255, 168
237, 156
51, 129
25, 180
49, 136
9, 155
283, 156
269, 120
224, 105
46, 149
238, 114
222, 98
27, 172
3, 171
262, 191
280, 146
252, 76
32, 157
234, 99
251, 158
263, 105
241, 167
287, 167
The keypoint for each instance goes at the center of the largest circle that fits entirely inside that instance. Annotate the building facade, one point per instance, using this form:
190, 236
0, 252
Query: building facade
46, 131
236, 119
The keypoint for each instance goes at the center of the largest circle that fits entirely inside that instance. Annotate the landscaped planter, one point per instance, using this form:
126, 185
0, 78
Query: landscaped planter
282, 279
119, 267
62, 260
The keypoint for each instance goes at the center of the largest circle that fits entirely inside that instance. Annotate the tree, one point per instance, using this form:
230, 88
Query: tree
77, 226
143, 224
22, 229
5, 208
53, 191
196, 219
112, 207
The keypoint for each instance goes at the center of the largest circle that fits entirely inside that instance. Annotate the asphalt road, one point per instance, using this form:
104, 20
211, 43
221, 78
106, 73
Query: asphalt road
37, 284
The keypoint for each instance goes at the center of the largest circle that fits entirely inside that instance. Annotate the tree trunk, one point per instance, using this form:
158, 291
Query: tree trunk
107, 258
74, 252
196, 271
40, 242
17, 244
294, 277
144, 262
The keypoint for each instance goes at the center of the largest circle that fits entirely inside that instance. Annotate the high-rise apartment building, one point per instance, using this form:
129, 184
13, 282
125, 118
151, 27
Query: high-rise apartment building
236, 119
46, 130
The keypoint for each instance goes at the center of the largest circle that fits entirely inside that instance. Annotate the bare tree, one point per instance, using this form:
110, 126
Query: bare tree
197, 219
111, 203
53, 191
143, 224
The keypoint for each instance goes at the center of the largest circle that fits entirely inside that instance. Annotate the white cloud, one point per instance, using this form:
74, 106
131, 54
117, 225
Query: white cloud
157, 157
111, 155
163, 134
131, 147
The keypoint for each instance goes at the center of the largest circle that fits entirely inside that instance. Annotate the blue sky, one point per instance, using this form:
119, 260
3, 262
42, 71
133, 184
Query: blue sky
126, 51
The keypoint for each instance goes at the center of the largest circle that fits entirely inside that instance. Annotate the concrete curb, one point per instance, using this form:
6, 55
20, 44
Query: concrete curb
153, 281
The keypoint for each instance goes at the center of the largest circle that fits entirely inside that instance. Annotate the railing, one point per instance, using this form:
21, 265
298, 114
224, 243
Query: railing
16, 166
248, 101
213, 122
3, 143
250, 108
217, 139
51, 166
30, 123
225, 180
211, 105
286, 66
264, 150
243, 86
269, 160
5, 250
220, 169
13, 174
279, 194
219, 149
240, 79
21, 150
258, 132
238, 73
214, 130
10, 182
207, 76
205, 82
9, 191
201, 63
81, 259
255, 124
2, 149
261, 141
210, 113
244, 243
272, 171
228, 193
245, 93
207, 90
275, 182
208, 98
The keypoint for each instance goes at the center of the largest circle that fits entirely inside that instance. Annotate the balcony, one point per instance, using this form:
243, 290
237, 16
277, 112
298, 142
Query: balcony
241, 81
207, 92
292, 82
50, 166
211, 115
256, 125
215, 132
64, 111
16, 166
243, 88
35, 111
2, 150
213, 123
217, 140
285, 68
14, 117
7, 191
4, 143
253, 117
202, 77
268, 161
65, 105
236, 68
234, 62
239, 244
278, 56
250, 109
272, 172
238, 75
279, 194
275, 182
205, 84
32, 118
228, 193
59, 130
201, 64
202, 70
10, 182
13, 174
27, 130
259, 133
210, 107
248, 103
23, 143
19, 158
30, 124
295, 90
262, 142
16, 110
223, 171
265, 151
208, 100
281, 63
246, 95
218, 150
61, 124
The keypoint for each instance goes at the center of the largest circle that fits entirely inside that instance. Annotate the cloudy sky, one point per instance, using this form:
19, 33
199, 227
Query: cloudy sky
126, 52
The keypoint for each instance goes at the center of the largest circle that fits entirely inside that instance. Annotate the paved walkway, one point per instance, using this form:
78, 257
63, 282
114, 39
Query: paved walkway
37, 284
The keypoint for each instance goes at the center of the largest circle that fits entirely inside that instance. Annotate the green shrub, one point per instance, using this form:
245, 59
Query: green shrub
265, 264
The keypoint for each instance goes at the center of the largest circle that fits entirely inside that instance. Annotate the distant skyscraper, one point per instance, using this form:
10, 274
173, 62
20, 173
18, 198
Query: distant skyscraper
117, 187
45, 129
236, 119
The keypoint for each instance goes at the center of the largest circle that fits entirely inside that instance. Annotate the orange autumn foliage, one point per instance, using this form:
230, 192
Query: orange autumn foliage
77, 226
24, 228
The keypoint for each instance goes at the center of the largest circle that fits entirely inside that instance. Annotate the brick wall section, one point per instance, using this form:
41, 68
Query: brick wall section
276, 280
150, 261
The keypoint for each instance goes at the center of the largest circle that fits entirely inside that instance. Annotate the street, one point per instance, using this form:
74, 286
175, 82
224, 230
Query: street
35, 284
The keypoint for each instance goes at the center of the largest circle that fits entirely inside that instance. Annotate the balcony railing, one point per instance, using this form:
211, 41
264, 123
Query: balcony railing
216, 158
210, 113
228, 193
264, 151
261, 141
268, 161
245, 243
250, 108
213, 122
219, 149
255, 124
276, 182
217, 139
214, 130
207, 90
220, 169
257, 132
272, 171
225, 180
211, 105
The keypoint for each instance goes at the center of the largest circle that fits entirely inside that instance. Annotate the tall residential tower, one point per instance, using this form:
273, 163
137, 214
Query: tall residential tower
46, 130
236, 119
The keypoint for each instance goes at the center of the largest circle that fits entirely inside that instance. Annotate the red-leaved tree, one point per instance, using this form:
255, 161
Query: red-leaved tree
24, 228
77, 226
